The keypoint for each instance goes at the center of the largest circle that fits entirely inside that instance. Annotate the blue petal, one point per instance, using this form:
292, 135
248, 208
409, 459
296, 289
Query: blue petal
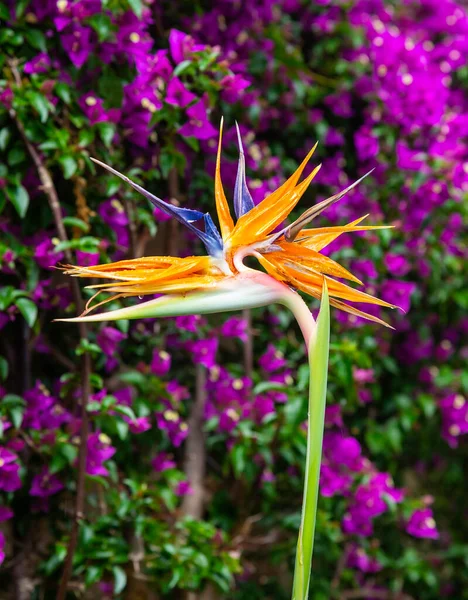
209, 235
242, 199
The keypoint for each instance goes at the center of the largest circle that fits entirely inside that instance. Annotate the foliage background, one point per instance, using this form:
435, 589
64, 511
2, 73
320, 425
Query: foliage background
142, 86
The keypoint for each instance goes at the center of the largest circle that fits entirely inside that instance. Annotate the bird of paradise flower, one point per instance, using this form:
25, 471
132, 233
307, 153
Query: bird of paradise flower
292, 261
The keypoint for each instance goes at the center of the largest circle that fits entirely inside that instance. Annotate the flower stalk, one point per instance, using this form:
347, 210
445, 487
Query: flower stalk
318, 350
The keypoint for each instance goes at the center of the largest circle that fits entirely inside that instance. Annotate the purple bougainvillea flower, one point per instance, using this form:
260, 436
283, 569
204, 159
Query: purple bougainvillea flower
163, 462
5, 513
93, 108
177, 94
9, 471
198, 125
183, 488
160, 363
108, 339
421, 524
45, 484
39, 64
204, 351
99, 451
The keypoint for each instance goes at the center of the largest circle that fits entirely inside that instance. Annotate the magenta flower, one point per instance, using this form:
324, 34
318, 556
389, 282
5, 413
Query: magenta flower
359, 559
198, 125
39, 64
272, 360
108, 340
177, 94
163, 462
421, 524
398, 293
235, 327
9, 469
181, 45
93, 108
160, 363
5, 513
138, 425
183, 488
204, 351
2, 547
45, 484
397, 264
170, 421
99, 451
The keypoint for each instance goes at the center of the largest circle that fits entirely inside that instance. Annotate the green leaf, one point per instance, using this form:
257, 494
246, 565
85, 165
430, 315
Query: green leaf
102, 25
137, 7
122, 429
106, 132
28, 309
69, 166
16, 416
4, 12
19, 197
5, 136
36, 38
76, 222
41, 104
125, 410
120, 579
20, 7
3, 368
16, 156
63, 92
181, 67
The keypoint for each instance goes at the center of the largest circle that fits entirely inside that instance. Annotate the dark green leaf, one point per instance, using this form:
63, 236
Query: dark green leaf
106, 132
76, 222
3, 368
28, 309
19, 197
63, 92
5, 135
36, 38
16, 156
69, 166
41, 104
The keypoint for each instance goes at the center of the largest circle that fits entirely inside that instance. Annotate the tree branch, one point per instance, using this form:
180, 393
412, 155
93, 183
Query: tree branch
195, 449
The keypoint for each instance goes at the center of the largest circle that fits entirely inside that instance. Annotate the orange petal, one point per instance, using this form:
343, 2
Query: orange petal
302, 258
225, 220
273, 209
200, 265
310, 214
358, 313
317, 239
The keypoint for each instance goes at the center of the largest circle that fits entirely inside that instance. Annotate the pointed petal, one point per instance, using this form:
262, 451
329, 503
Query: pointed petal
303, 258
243, 202
267, 215
186, 216
292, 230
358, 313
225, 220
233, 293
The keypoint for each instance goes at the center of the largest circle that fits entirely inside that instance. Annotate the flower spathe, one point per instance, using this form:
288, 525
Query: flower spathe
220, 281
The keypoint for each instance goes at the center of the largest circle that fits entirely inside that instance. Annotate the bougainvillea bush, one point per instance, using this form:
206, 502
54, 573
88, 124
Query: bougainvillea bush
195, 426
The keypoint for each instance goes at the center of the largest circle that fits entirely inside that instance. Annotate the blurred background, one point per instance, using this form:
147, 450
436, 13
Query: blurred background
142, 86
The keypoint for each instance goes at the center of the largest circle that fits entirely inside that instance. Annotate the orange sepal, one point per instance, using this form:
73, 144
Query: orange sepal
226, 223
272, 211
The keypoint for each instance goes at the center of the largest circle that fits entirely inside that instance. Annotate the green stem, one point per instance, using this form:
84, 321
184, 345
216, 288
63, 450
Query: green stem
318, 346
